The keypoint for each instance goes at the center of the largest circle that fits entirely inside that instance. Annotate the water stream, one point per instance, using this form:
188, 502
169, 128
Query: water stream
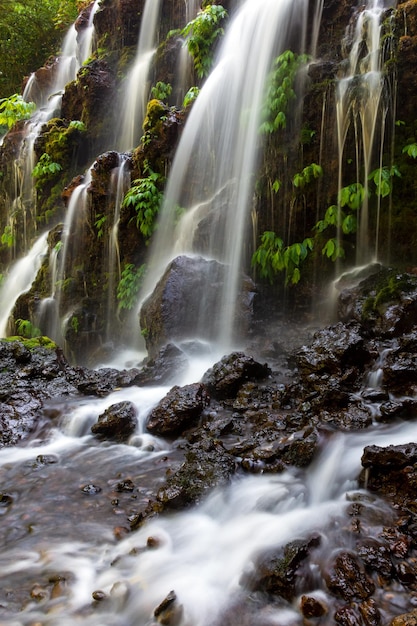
360, 105
58, 550
135, 93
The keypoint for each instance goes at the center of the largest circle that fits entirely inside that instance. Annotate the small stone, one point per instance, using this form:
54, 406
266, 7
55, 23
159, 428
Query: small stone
90, 489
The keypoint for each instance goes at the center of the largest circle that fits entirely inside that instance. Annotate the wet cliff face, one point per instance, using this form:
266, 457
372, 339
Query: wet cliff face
89, 298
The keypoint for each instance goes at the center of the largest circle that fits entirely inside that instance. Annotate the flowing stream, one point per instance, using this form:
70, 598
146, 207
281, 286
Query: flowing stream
58, 551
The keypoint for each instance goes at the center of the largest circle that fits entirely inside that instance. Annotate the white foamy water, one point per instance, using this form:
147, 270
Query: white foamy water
19, 280
212, 176
201, 554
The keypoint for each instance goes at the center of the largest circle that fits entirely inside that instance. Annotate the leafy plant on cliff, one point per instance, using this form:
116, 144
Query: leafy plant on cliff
129, 285
161, 91
26, 329
280, 91
201, 34
13, 109
272, 257
45, 170
190, 96
145, 198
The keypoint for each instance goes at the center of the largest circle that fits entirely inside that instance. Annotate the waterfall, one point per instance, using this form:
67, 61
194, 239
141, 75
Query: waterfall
76, 49
213, 173
135, 94
19, 280
359, 101
120, 183
50, 308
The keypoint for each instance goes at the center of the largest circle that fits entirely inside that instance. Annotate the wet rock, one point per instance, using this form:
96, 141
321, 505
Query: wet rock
348, 616
276, 572
370, 613
376, 556
333, 350
90, 489
400, 366
406, 619
384, 303
207, 465
345, 577
169, 612
118, 422
33, 371
185, 303
164, 368
391, 471
312, 607
181, 407
226, 377
354, 417
96, 382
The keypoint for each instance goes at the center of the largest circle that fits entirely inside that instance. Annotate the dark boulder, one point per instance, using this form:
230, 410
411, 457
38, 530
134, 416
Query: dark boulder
276, 572
181, 407
384, 303
226, 377
186, 301
207, 465
333, 350
117, 422
345, 577
164, 367
391, 471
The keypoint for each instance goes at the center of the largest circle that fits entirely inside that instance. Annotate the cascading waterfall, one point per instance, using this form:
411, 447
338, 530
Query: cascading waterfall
50, 308
120, 183
360, 101
19, 280
75, 50
212, 176
135, 95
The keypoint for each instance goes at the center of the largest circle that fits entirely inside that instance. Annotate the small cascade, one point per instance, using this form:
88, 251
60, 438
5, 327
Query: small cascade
184, 71
50, 308
135, 94
361, 109
212, 176
120, 183
76, 48
19, 280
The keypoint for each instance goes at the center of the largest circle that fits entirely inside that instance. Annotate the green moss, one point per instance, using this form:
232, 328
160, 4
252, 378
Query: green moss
33, 343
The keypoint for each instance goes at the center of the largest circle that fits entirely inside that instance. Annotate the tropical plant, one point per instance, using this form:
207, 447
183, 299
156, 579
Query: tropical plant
129, 285
201, 34
8, 237
45, 169
99, 224
30, 31
13, 109
161, 91
280, 91
25, 328
309, 173
145, 198
272, 257
190, 96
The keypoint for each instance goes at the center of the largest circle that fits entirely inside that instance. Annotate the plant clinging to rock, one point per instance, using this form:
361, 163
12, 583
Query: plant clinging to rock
201, 34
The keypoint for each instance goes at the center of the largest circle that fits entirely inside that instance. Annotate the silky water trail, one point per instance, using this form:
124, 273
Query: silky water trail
22, 271
76, 48
363, 99
55, 534
135, 92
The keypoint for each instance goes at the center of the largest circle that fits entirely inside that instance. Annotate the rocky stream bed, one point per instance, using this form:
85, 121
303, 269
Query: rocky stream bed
274, 410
